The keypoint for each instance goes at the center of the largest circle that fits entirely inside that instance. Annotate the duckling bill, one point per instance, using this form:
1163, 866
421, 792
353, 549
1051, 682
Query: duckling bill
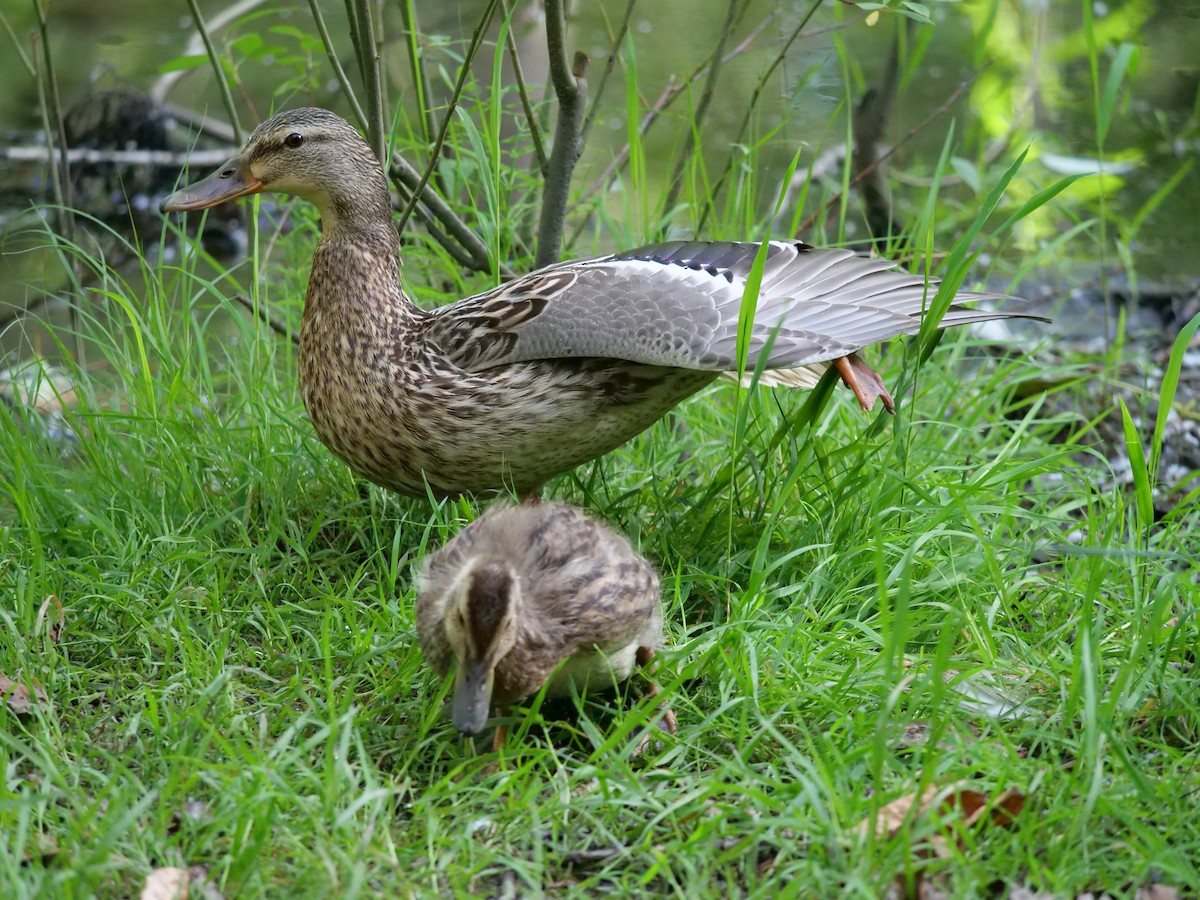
508, 388
530, 596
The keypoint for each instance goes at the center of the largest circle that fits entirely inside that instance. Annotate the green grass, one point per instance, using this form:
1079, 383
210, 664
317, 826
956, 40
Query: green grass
237, 682
858, 609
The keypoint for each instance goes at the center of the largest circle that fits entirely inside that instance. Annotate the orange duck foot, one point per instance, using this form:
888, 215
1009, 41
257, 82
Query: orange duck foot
865, 382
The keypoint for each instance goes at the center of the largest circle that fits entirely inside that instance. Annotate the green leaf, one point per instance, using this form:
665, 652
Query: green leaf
1123, 63
1161, 194
184, 63
1166, 394
1143, 496
247, 44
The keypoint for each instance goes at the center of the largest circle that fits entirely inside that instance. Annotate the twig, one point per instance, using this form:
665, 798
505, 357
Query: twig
362, 31
593, 855
218, 71
416, 64
52, 123
88, 155
355, 43
569, 88
416, 186
609, 65
163, 84
418, 190
869, 123
535, 134
201, 122
338, 71
750, 107
710, 85
267, 319
12, 37
913, 132
453, 247
668, 96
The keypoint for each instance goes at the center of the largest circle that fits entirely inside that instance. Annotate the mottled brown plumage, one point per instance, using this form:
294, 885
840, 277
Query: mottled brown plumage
530, 595
511, 387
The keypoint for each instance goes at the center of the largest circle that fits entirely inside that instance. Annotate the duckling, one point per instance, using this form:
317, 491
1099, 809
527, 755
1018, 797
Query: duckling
508, 388
535, 595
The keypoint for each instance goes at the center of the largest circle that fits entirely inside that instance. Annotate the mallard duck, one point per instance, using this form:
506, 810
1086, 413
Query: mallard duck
535, 595
508, 388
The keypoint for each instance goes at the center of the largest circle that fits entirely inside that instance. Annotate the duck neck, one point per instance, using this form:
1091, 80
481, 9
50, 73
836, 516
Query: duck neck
356, 275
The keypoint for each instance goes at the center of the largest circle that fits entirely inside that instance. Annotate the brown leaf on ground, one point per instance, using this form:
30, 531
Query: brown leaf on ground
19, 697
167, 883
892, 817
56, 623
1003, 810
974, 805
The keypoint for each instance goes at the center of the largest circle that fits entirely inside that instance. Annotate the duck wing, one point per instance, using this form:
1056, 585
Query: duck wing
677, 304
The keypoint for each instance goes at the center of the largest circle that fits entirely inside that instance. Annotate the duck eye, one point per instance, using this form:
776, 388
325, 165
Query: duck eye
293, 140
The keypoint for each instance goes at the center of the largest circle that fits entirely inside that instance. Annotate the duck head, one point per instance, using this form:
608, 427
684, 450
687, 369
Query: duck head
481, 627
309, 153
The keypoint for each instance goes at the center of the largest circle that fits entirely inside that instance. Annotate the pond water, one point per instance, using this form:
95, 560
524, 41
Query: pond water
129, 44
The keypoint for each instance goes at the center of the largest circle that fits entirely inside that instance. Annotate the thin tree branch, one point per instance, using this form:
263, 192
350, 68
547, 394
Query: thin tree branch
418, 190
609, 64
710, 85
750, 107
266, 318
196, 43
668, 96
26, 62
882, 158
89, 155
218, 71
338, 71
363, 33
355, 43
416, 65
52, 123
869, 123
416, 185
535, 134
570, 88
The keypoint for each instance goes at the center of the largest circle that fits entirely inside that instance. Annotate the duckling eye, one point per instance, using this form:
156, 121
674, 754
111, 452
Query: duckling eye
293, 140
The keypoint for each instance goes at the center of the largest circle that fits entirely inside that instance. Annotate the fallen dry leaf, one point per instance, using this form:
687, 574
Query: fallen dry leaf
19, 697
1004, 809
973, 805
167, 883
892, 817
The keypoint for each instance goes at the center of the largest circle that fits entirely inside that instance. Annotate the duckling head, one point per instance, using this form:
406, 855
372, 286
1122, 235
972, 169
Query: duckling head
481, 627
310, 153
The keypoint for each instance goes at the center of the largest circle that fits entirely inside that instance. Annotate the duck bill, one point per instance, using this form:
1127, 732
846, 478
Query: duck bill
472, 697
229, 181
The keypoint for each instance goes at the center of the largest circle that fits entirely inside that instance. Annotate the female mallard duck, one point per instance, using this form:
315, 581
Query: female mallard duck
513, 386
527, 595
